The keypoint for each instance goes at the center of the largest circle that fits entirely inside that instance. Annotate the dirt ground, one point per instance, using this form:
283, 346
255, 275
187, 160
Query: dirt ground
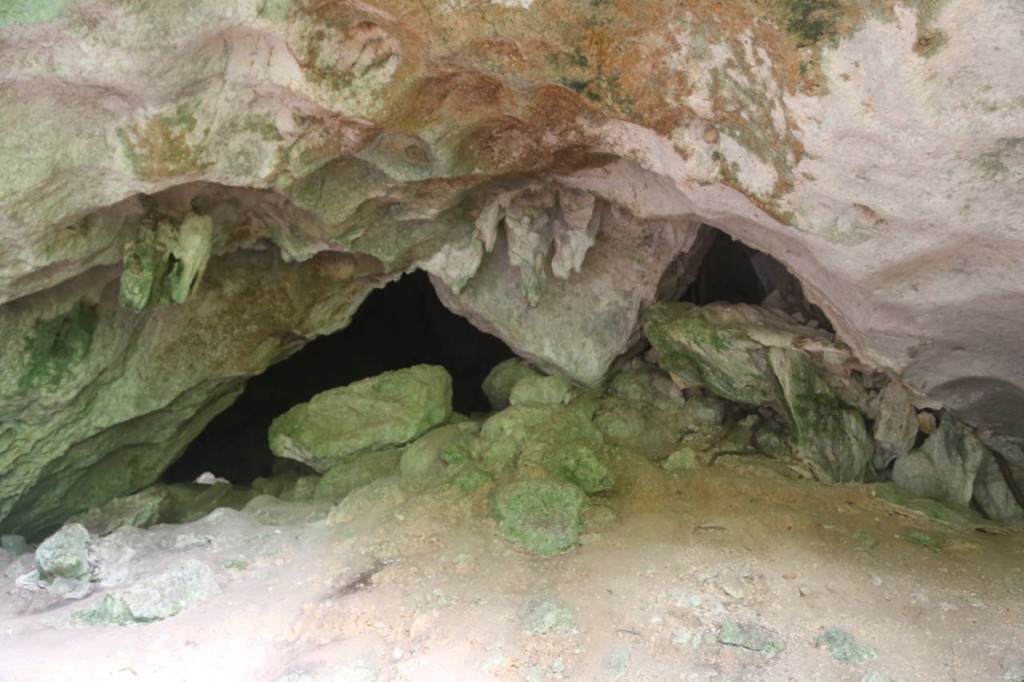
394, 584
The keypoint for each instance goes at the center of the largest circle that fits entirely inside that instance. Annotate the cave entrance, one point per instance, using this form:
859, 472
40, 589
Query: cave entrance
732, 272
398, 326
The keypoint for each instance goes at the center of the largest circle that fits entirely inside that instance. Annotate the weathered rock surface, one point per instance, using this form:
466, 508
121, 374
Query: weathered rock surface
383, 411
97, 400
945, 467
155, 598
756, 356
192, 162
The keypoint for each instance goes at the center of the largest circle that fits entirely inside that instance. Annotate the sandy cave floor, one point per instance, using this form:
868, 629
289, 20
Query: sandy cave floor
401, 585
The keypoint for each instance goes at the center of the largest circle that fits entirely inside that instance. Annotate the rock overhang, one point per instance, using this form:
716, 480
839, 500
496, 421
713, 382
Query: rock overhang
883, 174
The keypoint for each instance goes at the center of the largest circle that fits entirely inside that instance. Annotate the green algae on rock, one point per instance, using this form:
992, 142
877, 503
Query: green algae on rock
502, 379
543, 517
756, 356
579, 463
366, 468
830, 437
155, 598
383, 411
538, 390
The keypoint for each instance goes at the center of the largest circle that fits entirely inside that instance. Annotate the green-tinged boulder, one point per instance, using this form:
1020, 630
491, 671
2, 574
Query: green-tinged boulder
543, 517
701, 412
772, 439
752, 636
541, 424
141, 510
649, 430
500, 381
945, 467
643, 384
156, 598
430, 456
383, 411
723, 347
830, 437
579, 463
63, 563
366, 468
541, 390
683, 459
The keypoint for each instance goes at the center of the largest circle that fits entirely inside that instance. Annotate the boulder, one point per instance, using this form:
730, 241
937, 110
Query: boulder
542, 517
383, 411
155, 598
830, 437
896, 427
63, 562
945, 467
502, 378
541, 390
366, 468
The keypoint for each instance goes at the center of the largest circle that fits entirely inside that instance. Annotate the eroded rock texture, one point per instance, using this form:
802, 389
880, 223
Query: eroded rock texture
189, 191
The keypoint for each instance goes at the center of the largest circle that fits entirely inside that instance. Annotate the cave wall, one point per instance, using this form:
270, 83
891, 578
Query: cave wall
549, 162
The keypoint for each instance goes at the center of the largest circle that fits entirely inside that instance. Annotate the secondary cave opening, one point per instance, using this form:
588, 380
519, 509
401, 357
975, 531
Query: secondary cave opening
401, 325
733, 272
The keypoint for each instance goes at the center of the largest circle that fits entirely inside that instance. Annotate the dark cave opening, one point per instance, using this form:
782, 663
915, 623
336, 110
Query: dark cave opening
398, 326
733, 272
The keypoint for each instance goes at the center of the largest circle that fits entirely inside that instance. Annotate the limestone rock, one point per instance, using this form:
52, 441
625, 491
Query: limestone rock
725, 347
96, 400
366, 468
63, 562
140, 510
500, 381
386, 410
551, 424
647, 429
832, 438
538, 390
155, 598
584, 465
430, 456
543, 517
945, 467
549, 215
897, 425
992, 494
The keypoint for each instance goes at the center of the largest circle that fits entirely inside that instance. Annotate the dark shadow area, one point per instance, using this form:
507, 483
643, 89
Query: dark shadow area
401, 325
733, 272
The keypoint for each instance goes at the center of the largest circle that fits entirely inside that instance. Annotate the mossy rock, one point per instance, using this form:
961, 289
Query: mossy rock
541, 424
579, 463
383, 411
542, 517
541, 390
340, 481
500, 381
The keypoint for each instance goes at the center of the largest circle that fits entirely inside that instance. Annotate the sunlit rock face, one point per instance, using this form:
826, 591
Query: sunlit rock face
190, 190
